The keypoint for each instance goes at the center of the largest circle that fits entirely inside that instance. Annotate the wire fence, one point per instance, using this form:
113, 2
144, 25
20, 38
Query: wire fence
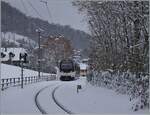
10, 82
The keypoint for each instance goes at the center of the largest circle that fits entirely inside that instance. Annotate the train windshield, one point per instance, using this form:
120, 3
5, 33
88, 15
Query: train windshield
66, 66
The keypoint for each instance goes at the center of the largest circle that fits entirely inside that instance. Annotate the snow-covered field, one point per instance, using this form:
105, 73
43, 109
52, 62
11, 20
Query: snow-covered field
91, 100
95, 100
10, 71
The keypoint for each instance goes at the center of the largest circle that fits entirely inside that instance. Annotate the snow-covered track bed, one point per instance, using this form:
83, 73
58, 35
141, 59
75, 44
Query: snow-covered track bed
58, 103
45, 102
37, 102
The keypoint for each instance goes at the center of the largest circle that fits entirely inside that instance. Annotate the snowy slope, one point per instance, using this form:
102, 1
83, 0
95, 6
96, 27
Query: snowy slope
9, 71
14, 38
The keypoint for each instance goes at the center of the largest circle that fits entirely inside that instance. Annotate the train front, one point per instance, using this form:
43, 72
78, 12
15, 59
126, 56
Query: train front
67, 70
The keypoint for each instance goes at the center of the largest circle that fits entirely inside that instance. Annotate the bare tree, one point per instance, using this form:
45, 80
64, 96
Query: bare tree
119, 41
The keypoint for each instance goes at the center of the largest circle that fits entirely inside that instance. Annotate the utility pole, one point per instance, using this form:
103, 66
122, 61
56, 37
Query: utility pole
39, 51
23, 59
21, 73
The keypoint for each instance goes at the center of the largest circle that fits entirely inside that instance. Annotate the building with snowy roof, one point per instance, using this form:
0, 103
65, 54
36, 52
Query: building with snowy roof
12, 55
83, 69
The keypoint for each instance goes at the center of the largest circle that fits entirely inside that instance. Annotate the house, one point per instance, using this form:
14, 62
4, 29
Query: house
56, 48
85, 60
12, 55
83, 69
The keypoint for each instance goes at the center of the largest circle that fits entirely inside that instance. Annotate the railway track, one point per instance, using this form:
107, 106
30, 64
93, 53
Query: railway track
37, 102
42, 110
58, 103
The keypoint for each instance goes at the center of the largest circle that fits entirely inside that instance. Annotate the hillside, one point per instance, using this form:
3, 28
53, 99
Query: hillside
10, 39
12, 20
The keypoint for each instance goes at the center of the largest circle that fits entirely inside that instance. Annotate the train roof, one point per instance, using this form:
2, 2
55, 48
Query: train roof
66, 60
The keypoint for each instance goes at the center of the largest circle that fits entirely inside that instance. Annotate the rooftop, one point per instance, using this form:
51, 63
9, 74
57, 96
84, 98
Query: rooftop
15, 51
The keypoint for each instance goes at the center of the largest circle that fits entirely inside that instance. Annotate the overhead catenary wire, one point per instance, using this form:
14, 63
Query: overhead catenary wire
26, 11
6, 28
40, 16
34, 9
49, 13
48, 10
11, 34
25, 8
4, 38
29, 15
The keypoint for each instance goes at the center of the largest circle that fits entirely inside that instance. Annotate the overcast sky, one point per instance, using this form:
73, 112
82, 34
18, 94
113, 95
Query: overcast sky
62, 12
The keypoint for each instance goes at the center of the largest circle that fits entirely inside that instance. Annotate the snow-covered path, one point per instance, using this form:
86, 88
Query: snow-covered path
31, 99
91, 100
17, 100
94, 100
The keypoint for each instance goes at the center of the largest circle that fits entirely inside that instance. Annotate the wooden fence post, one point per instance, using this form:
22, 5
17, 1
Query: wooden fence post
34, 79
38, 79
3, 84
18, 80
31, 79
25, 80
10, 81
14, 80
7, 82
28, 79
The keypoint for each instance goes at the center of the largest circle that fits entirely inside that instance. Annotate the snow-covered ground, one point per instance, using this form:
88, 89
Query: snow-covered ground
19, 101
14, 38
10, 71
91, 100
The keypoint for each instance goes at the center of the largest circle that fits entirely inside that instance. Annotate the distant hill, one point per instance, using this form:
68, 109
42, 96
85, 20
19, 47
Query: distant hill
13, 20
